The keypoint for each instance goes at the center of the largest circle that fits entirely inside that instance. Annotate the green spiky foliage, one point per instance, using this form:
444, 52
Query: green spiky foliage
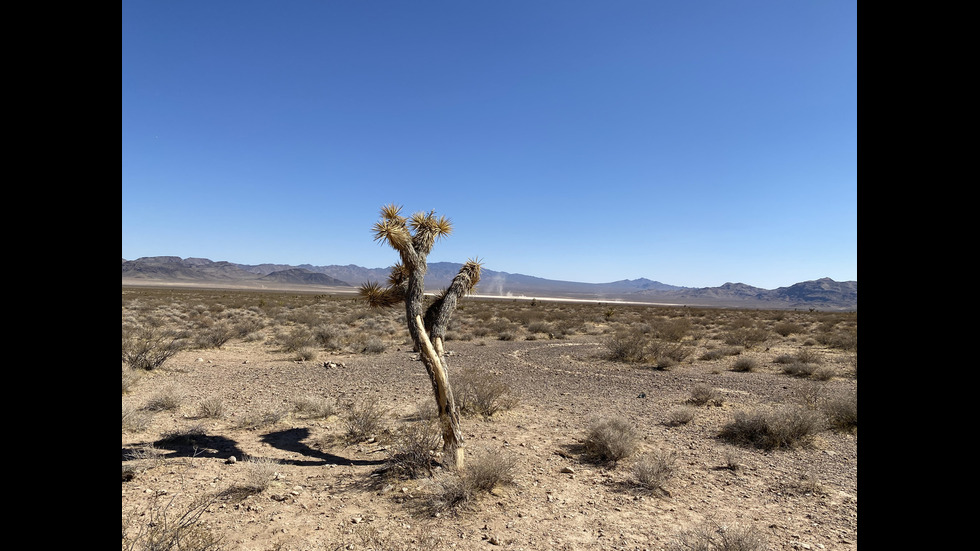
413, 239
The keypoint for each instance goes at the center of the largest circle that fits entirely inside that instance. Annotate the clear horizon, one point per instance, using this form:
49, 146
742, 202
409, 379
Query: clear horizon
692, 144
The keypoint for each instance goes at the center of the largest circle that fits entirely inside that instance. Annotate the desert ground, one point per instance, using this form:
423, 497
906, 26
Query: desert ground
246, 436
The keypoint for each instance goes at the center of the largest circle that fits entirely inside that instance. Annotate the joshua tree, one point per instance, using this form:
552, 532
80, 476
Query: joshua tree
413, 239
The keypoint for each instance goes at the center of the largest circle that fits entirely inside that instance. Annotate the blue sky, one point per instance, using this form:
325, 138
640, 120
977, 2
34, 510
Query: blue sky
693, 143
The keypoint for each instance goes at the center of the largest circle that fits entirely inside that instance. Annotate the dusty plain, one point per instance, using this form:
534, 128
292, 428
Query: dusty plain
328, 492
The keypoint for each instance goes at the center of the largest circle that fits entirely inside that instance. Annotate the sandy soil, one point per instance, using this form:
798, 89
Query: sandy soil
326, 494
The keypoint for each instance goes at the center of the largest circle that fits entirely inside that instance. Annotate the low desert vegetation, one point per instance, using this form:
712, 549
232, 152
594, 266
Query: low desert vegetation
654, 469
720, 538
783, 427
480, 393
611, 440
164, 331
364, 419
485, 471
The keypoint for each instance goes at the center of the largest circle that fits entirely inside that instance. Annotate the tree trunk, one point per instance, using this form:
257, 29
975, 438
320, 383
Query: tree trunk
452, 437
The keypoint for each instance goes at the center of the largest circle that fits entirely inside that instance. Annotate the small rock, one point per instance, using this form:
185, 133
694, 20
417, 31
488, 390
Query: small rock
231, 460
568, 470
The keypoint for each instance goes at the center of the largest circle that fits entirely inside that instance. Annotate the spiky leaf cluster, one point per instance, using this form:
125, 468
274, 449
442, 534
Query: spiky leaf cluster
381, 297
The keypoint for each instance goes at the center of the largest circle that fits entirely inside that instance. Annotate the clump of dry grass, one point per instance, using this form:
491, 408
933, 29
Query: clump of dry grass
841, 411
134, 419
484, 472
164, 525
665, 355
261, 419
363, 420
745, 365
654, 469
148, 346
611, 440
745, 336
719, 538
260, 472
705, 395
681, 415
627, 346
314, 407
482, 393
784, 427
211, 407
414, 448
169, 398
129, 378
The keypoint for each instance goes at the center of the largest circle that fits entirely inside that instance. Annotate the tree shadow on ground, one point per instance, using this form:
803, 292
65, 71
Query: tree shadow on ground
292, 440
200, 444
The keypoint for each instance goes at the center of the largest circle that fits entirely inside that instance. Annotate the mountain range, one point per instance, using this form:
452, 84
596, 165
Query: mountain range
822, 294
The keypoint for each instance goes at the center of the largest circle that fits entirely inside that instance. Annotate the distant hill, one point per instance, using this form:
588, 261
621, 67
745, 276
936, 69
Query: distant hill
822, 293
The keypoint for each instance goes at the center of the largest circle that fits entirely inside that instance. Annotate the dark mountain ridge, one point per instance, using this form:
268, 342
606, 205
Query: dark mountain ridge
824, 293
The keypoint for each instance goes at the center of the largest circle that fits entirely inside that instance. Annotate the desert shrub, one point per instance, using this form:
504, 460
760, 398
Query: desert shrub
142, 459
809, 356
745, 336
261, 419
610, 440
809, 394
412, 452
482, 393
720, 539
673, 330
665, 355
681, 415
841, 411
314, 407
800, 369
134, 419
148, 347
304, 354
482, 474
783, 427
163, 525
489, 469
787, 328
703, 395
260, 472
838, 338
214, 335
329, 337
169, 398
627, 346
364, 419
654, 469
374, 345
212, 407
823, 373
540, 326
744, 365
718, 353
295, 339
129, 378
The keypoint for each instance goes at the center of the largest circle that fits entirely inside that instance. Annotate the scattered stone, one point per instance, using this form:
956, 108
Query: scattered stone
568, 470
231, 460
